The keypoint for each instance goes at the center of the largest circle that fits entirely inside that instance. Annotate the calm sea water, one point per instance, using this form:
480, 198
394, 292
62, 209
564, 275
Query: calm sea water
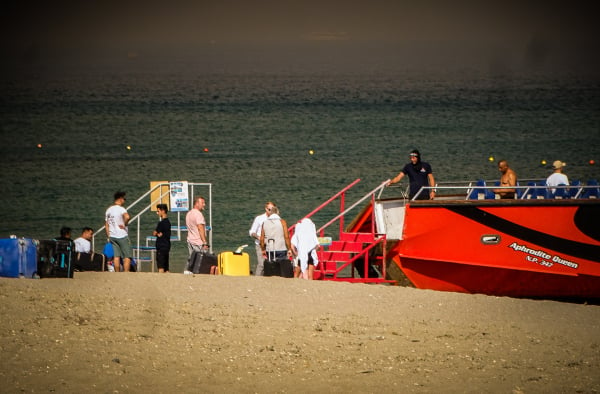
258, 129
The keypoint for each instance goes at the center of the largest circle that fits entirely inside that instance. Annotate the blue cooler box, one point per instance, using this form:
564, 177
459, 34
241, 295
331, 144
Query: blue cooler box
18, 257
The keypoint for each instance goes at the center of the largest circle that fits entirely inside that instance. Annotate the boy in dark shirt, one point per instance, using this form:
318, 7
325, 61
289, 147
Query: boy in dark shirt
163, 238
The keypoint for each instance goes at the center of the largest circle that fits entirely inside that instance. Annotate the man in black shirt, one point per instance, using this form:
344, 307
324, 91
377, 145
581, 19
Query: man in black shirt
419, 174
163, 238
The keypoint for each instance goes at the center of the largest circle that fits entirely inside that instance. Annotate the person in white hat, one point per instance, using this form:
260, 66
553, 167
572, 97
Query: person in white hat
557, 177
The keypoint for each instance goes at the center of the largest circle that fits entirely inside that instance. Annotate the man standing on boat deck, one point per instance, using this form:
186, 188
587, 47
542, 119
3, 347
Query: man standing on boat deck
116, 223
508, 178
419, 174
196, 225
255, 231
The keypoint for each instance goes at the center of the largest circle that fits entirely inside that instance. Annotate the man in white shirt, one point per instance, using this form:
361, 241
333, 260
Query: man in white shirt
557, 177
254, 232
83, 244
116, 223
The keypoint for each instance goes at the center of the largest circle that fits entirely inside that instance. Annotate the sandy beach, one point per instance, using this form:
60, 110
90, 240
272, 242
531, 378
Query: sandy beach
145, 332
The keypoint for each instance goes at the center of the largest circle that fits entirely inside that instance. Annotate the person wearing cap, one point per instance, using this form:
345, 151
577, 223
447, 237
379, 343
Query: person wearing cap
557, 177
419, 175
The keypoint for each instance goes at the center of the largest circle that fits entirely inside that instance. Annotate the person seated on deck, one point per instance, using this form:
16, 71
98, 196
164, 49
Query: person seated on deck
508, 178
557, 177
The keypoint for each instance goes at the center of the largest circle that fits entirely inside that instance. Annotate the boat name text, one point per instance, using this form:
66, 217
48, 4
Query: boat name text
546, 259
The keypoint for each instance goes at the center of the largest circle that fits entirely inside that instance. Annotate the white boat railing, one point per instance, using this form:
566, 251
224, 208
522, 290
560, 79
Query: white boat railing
474, 191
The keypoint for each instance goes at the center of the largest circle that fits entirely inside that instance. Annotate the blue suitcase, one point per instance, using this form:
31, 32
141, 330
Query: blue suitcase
18, 257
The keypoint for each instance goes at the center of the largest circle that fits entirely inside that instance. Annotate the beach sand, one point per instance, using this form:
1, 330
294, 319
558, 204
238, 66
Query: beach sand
166, 333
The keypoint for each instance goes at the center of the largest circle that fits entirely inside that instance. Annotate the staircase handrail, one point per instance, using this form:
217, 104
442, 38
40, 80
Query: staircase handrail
358, 255
368, 195
324, 204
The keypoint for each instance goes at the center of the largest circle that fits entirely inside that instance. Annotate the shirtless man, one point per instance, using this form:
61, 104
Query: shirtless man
508, 178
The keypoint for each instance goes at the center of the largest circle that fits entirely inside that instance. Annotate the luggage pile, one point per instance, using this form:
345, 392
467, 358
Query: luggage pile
30, 258
226, 263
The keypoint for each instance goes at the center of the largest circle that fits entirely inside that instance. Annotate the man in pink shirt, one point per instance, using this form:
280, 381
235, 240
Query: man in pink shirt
196, 225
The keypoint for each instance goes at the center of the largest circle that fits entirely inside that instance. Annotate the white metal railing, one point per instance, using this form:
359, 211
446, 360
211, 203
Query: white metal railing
522, 192
466, 188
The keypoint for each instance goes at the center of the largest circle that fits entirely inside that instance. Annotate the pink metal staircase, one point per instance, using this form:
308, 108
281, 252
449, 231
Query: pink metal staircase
351, 256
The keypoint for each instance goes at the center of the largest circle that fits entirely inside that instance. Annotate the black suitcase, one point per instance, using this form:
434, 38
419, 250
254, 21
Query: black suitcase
274, 266
65, 251
45, 257
202, 263
89, 262
55, 258
279, 267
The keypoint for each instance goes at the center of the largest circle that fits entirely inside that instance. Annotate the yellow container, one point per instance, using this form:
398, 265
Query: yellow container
233, 264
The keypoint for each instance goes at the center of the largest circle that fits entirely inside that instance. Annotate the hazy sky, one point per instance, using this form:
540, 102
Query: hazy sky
540, 31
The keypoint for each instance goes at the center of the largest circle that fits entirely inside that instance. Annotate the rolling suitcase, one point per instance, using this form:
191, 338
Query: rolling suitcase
234, 264
278, 266
202, 263
55, 258
65, 251
274, 266
18, 258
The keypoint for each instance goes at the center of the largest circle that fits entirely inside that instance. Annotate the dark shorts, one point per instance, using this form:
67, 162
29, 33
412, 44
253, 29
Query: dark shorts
162, 259
310, 259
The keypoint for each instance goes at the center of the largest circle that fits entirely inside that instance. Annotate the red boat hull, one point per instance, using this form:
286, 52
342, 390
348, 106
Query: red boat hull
508, 248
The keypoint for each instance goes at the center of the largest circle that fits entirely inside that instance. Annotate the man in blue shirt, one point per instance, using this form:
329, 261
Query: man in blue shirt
419, 174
